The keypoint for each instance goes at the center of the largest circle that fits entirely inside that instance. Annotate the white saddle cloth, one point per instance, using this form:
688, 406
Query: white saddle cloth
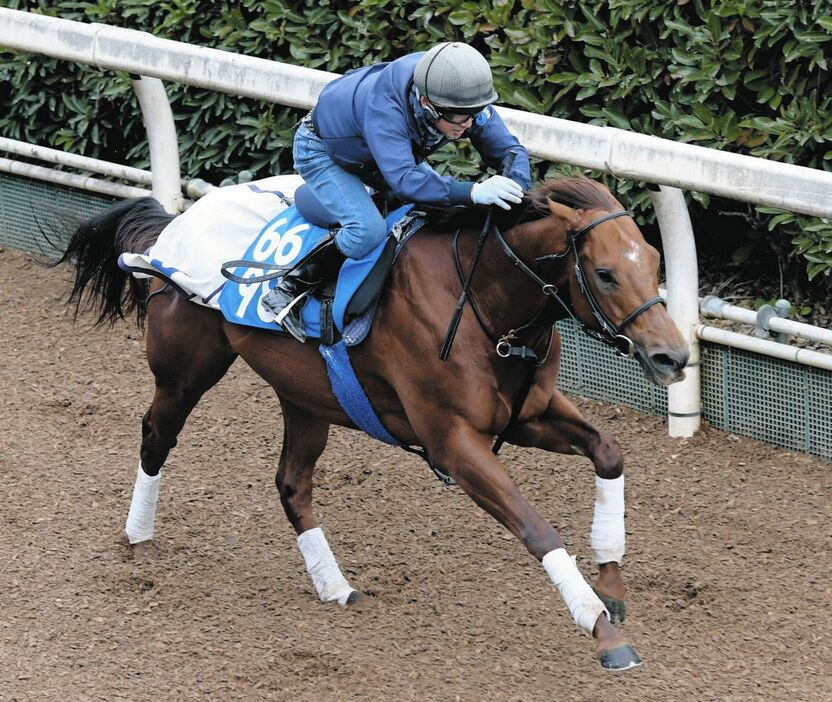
217, 228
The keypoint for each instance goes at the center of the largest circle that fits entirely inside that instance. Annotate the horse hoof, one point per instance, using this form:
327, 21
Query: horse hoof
619, 658
358, 600
614, 606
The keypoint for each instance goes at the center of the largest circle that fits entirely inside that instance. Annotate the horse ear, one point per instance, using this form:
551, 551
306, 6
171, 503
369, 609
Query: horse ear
567, 214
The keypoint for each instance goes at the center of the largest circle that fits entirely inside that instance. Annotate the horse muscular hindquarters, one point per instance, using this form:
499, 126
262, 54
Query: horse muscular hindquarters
571, 251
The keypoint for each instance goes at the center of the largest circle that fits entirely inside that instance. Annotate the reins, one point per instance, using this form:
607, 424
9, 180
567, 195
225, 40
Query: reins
466, 283
503, 343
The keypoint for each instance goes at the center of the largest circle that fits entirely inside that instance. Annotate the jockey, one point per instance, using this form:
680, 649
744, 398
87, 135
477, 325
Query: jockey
375, 125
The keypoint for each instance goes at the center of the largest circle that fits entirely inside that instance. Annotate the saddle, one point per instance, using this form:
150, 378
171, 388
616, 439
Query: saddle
365, 297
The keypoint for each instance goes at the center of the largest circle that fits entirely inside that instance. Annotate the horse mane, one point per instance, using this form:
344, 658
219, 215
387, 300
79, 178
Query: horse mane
578, 192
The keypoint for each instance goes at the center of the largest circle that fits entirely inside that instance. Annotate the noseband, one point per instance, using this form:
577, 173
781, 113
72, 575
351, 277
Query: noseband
609, 334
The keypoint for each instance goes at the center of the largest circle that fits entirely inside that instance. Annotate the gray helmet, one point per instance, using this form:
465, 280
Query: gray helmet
455, 76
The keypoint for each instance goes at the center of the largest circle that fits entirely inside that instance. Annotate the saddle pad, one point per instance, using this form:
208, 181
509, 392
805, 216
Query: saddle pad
285, 239
253, 222
219, 227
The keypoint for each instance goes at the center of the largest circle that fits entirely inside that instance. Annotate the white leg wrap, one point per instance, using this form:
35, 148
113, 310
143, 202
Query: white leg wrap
322, 567
142, 514
583, 603
608, 537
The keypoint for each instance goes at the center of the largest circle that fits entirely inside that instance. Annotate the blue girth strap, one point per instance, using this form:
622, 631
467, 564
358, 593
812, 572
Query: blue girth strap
351, 395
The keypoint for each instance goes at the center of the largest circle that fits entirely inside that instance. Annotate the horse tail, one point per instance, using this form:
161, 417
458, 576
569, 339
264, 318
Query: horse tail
100, 285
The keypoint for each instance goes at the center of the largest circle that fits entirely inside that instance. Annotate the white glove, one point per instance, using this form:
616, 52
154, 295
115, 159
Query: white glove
497, 190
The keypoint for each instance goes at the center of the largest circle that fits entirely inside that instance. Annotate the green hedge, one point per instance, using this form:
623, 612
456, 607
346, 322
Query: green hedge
749, 76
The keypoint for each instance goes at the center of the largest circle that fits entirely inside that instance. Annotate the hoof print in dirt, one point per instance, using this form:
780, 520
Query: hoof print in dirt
619, 658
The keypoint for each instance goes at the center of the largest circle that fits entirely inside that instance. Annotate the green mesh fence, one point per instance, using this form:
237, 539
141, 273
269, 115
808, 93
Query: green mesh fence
590, 369
783, 403
780, 402
34, 213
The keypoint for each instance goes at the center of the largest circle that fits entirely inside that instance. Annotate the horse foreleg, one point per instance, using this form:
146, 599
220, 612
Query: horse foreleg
466, 454
562, 429
304, 440
188, 354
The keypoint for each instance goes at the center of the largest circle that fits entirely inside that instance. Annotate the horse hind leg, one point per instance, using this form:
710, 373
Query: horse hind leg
562, 429
304, 440
188, 354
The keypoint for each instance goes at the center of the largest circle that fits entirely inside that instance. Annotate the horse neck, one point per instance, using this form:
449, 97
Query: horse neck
508, 298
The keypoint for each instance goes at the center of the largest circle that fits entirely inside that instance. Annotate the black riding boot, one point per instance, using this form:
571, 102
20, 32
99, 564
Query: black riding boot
288, 297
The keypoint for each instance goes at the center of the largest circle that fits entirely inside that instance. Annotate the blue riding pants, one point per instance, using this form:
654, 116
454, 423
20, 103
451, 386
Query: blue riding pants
342, 193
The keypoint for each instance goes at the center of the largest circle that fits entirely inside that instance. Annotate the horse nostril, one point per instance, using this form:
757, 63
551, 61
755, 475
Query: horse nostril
670, 361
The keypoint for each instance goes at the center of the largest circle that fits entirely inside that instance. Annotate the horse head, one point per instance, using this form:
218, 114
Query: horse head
611, 276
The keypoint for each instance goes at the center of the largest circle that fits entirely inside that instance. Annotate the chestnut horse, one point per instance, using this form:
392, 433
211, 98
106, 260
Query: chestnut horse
569, 249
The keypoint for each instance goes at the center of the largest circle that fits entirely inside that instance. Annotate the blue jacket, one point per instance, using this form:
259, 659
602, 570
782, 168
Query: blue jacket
365, 120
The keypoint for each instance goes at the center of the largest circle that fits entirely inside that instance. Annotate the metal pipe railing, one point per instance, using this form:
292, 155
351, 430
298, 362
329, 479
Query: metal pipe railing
193, 188
684, 402
712, 306
162, 141
80, 163
72, 180
764, 346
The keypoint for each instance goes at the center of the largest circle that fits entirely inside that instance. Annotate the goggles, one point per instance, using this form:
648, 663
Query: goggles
457, 118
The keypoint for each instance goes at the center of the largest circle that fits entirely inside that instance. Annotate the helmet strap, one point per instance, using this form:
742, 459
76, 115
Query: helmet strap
430, 110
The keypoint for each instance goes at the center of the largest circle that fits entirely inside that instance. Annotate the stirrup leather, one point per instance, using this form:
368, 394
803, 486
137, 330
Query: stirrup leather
286, 301
280, 316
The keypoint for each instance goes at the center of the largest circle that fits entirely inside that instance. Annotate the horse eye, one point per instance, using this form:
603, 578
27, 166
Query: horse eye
605, 276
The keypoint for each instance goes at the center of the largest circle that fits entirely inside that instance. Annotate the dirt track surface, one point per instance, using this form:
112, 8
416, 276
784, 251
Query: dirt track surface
728, 564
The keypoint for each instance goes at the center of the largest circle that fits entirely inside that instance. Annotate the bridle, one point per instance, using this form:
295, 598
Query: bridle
609, 334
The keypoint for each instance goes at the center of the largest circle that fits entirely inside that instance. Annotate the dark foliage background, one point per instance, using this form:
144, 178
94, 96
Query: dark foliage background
750, 76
